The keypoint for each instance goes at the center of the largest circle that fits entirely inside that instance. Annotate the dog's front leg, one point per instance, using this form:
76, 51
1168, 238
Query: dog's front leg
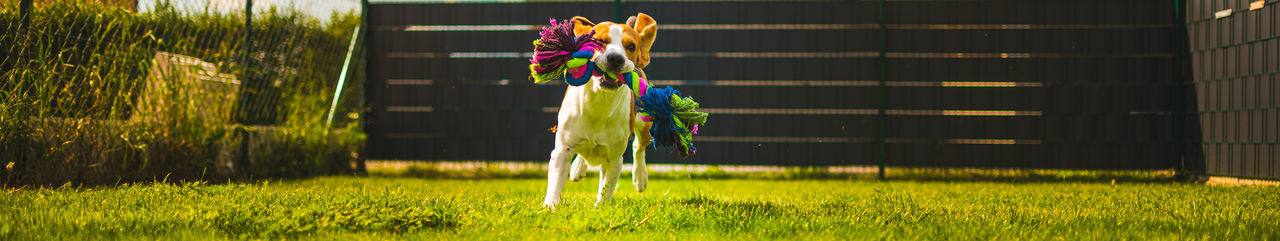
557, 172
608, 179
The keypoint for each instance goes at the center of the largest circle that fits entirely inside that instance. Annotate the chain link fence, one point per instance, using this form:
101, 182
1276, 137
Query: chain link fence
109, 91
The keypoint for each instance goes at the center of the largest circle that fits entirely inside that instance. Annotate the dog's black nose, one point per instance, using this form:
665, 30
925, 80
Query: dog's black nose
615, 60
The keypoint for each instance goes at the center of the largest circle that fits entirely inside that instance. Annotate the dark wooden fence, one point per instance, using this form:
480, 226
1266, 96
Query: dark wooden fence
1000, 83
1236, 57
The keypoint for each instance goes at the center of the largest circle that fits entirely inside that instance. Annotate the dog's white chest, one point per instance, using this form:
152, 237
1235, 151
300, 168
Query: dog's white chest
594, 121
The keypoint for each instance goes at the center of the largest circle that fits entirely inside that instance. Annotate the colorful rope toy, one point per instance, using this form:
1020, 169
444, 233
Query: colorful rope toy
558, 54
558, 47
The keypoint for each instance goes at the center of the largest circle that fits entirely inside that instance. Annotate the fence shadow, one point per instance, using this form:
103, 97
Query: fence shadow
523, 170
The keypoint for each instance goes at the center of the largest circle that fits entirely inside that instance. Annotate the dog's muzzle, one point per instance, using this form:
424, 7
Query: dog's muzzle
613, 68
615, 62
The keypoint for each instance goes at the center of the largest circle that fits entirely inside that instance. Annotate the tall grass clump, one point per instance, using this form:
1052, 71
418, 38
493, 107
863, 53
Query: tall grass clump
83, 101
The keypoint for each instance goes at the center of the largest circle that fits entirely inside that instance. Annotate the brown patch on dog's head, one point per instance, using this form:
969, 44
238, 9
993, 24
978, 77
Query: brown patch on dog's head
637, 35
581, 25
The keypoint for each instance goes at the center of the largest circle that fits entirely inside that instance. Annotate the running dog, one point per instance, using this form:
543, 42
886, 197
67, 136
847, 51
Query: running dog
597, 118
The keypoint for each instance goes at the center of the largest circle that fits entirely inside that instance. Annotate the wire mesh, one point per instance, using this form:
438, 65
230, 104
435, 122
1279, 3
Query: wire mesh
156, 86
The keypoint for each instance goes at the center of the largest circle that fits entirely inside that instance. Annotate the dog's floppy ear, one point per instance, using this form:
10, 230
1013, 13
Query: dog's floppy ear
648, 29
581, 25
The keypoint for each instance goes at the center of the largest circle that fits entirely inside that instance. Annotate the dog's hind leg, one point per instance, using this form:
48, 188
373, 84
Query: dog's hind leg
579, 169
608, 180
557, 172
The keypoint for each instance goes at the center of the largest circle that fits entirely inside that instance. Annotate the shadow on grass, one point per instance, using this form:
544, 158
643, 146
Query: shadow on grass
483, 170
1031, 175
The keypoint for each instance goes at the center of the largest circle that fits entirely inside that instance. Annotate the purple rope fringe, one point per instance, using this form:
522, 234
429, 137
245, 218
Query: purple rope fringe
556, 46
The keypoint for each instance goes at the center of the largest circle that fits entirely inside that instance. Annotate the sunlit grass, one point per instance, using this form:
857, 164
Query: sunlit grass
407, 208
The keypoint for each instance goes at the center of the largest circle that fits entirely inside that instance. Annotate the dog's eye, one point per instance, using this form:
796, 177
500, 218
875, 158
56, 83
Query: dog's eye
631, 47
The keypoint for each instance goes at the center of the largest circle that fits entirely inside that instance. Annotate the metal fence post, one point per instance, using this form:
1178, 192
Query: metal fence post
342, 78
1179, 135
248, 26
246, 82
881, 117
24, 9
361, 169
617, 12
248, 32
241, 168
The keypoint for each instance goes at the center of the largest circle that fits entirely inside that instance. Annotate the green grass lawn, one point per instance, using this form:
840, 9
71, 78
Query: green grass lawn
342, 208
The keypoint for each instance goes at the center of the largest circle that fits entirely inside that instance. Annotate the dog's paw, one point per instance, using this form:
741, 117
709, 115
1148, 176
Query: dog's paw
550, 204
640, 179
601, 202
577, 175
578, 171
